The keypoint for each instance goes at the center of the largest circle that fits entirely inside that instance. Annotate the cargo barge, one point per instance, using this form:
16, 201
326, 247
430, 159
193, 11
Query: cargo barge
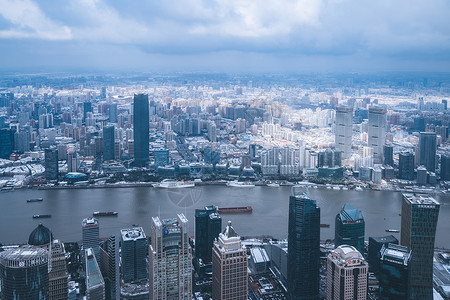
234, 210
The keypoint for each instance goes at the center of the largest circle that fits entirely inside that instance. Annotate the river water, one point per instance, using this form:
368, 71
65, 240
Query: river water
137, 205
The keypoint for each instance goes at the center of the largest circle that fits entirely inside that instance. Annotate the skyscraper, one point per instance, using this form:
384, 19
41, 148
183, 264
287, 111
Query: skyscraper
388, 155
87, 107
427, 150
418, 230
406, 166
445, 166
6, 142
51, 164
141, 129
375, 245
350, 228
394, 272
206, 230
90, 236
109, 266
229, 263
303, 247
24, 273
346, 274
58, 277
95, 285
170, 259
343, 130
377, 132
108, 142
113, 113
134, 254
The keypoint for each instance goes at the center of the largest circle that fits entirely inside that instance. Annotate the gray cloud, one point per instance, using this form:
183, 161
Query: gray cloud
402, 33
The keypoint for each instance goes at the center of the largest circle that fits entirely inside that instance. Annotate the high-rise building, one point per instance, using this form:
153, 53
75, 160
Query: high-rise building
418, 231
141, 129
406, 166
91, 235
445, 167
134, 254
347, 273
109, 266
377, 132
24, 273
87, 107
108, 142
350, 228
170, 259
229, 267
113, 113
51, 164
375, 245
388, 155
394, 272
303, 247
427, 150
58, 277
6, 142
343, 130
95, 285
162, 158
206, 230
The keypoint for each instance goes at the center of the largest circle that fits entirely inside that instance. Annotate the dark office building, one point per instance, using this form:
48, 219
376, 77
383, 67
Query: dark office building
303, 247
51, 164
161, 158
210, 156
113, 113
24, 273
444, 102
394, 272
419, 124
208, 225
6, 142
349, 228
141, 129
418, 230
406, 166
427, 150
375, 245
108, 142
388, 155
445, 167
134, 254
109, 266
87, 107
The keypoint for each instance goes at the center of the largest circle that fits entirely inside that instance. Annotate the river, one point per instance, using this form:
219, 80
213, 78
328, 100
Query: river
136, 205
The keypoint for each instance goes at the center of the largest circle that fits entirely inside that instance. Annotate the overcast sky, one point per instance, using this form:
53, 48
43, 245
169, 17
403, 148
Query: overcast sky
225, 35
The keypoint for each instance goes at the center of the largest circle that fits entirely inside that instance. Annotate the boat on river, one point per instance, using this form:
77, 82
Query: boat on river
173, 184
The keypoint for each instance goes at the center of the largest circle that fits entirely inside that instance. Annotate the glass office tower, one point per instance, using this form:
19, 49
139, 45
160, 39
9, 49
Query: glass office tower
303, 246
349, 228
141, 129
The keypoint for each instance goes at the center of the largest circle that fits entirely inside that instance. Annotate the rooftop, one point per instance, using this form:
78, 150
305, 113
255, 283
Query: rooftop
93, 275
350, 214
420, 199
132, 234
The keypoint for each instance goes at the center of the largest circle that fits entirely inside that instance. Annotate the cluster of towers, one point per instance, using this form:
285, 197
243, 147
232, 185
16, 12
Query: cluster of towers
405, 271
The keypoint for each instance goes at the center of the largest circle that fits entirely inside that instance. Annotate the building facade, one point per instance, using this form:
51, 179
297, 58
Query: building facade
350, 228
303, 247
108, 142
170, 259
51, 164
24, 273
91, 235
109, 266
141, 129
344, 130
208, 226
58, 277
134, 254
394, 272
406, 166
427, 150
95, 286
377, 132
229, 267
418, 230
347, 273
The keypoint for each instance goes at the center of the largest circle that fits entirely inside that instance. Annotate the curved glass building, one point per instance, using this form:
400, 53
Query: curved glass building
350, 228
24, 273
